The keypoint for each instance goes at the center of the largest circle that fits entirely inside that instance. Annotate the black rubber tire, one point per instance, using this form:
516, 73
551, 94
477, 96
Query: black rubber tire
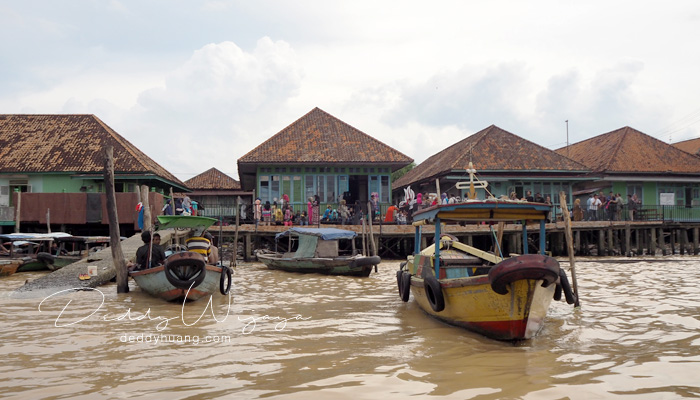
404, 281
557, 292
433, 291
225, 271
399, 275
46, 258
369, 260
176, 261
566, 287
527, 266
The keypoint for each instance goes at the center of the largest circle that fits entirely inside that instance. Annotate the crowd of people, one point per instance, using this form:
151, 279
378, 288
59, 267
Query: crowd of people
600, 207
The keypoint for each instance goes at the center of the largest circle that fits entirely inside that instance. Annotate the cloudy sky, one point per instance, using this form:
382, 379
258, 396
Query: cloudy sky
210, 80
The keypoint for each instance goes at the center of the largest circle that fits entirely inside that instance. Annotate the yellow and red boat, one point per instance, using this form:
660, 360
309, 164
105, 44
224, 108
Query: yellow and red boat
504, 299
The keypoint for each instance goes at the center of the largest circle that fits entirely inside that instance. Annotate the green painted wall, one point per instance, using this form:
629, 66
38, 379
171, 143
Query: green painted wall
64, 183
649, 193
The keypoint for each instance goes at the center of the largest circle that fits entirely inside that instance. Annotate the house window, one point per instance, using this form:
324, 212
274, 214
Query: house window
309, 186
264, 193
385, 189
297, 194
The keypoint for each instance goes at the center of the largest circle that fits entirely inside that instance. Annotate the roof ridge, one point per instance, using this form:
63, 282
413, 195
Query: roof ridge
114, 135
618, 146
133, 151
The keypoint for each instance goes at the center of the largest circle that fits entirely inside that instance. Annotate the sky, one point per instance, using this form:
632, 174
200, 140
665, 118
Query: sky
198, 84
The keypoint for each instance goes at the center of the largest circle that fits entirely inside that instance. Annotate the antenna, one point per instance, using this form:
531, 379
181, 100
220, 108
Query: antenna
567, 137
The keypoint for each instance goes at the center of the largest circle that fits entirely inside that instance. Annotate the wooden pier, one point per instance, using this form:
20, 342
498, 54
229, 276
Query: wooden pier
591, 238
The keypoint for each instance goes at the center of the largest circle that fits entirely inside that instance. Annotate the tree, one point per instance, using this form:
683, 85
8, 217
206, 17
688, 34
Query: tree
399, 173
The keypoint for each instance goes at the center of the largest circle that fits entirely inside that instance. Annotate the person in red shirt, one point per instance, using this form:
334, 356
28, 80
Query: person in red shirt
389, 217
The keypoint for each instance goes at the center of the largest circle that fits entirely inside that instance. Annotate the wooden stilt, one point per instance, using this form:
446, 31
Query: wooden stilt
114, 235
234, 257
673, 241
570, 245
696, 242
248, 247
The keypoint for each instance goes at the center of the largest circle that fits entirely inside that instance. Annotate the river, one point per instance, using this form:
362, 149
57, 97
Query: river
292, 336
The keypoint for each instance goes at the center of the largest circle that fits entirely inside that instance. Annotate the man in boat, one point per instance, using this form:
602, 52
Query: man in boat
148, 256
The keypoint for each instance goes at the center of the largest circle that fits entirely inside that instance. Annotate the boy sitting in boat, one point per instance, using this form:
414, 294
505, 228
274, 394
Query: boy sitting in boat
155, 253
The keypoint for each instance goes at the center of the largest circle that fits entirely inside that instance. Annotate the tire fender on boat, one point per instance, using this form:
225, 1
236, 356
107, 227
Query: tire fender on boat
527, 266
176, 261
433, 291
225, 277
403, 280
557, 292
370, 260
566, 288
46, 258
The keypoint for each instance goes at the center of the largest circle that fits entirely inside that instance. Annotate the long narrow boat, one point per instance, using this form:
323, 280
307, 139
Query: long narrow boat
32, 248
504, 299
185, 275
318, 251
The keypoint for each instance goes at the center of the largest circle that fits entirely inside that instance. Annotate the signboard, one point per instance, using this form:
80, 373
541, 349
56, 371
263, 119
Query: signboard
667, 199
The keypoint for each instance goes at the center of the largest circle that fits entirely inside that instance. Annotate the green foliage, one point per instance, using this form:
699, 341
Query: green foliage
401, 172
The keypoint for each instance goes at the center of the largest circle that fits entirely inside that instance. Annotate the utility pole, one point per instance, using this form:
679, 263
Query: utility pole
567, 137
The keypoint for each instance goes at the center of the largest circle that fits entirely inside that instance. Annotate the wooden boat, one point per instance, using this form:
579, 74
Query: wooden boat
185, 275
505, 299
33, 249
9, 267
71, 249
318, 252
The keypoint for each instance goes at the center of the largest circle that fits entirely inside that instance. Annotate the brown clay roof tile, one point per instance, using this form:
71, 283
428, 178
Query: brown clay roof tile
68, 143
691, 146
628, 150
319, 137
491, 149
212, 179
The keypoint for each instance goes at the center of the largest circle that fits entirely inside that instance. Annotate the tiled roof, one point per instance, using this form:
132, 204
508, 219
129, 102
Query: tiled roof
491, 149
212, 179
691, 146
68, 143
319, 137
629, 150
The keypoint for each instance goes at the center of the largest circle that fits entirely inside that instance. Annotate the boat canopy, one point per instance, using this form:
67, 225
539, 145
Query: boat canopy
36, 237
484, 210
321, 233
185, 221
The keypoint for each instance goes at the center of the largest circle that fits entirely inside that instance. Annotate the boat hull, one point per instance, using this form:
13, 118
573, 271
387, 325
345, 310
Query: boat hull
471, 303
350, 266
154, 282
32, 265
9, 267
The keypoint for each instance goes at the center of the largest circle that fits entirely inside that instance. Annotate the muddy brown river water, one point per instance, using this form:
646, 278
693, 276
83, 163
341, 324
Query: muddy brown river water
291, 336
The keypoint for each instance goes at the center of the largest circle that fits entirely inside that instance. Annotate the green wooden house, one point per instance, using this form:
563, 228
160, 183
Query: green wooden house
627, 161
216, 194
509, 163
57, 163
320, 155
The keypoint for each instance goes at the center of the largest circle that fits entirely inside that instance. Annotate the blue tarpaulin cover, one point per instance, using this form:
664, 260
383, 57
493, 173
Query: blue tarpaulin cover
322, 233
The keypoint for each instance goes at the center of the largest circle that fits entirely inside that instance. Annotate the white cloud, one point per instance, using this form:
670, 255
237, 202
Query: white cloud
215, 107
196, 78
